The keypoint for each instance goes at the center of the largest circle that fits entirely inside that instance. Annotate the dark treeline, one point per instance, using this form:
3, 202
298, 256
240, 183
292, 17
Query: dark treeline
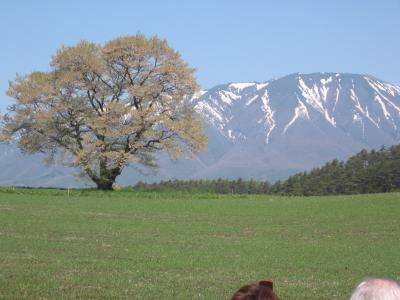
365, 172
219, 186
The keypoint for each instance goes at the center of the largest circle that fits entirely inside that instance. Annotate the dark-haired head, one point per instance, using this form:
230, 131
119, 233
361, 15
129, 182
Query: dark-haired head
254, 292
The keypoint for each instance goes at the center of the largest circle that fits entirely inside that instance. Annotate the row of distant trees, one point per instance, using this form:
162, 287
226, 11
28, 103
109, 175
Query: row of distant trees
365, 172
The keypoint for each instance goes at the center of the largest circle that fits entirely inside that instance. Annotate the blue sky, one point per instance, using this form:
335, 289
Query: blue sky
226, 41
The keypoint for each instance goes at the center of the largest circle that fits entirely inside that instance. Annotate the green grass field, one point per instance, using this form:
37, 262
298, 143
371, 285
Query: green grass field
123, 245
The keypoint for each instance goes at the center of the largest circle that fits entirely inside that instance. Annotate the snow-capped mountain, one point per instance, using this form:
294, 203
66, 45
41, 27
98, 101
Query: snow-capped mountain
356, 105
297, 122
273, 129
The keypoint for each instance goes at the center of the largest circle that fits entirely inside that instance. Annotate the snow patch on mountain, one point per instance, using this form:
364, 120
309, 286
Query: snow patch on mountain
205, 109
383, 87
364, 111
325, 88
242, 85
325, 81
299, 112
383, 106
336, 97
228, 97
260, 86
316, 97
251, 100
358, 119
269, 123
198, 94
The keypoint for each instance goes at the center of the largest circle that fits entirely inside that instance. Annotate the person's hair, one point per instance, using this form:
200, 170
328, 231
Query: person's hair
377, 289
254, 292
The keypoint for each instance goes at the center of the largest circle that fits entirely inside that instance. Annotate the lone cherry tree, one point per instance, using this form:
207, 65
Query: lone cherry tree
105, 106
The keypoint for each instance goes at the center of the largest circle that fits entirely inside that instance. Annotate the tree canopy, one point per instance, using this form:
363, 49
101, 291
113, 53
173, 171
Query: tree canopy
105, 106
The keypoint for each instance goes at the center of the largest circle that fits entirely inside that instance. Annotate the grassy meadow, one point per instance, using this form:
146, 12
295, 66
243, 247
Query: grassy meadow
58, 244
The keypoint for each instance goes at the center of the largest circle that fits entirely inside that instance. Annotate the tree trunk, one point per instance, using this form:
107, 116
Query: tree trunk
105, 185
106, 178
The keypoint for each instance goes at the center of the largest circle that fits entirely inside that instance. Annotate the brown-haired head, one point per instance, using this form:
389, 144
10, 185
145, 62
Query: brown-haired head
254, 292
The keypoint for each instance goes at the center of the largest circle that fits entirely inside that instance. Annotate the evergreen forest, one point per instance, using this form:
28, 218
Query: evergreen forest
375, 171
